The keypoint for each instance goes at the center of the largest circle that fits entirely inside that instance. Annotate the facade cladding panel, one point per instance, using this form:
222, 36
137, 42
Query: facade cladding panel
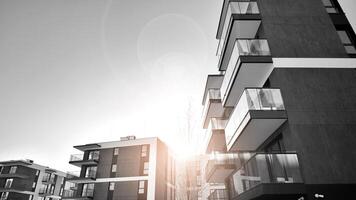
299, 29
105, 162
126, 190
321, 122
101, 191
129, 161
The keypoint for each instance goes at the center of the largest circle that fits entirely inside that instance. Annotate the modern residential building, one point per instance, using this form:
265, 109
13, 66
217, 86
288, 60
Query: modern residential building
25, 180
129, 169
281, 112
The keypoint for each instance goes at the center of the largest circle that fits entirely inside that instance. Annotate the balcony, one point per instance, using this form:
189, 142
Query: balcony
74, 194
216, 136
258, 114
75, 177
219, 167
219, 194
271, 176
213, 107
79, 160
48, 179
239, 19
250, 66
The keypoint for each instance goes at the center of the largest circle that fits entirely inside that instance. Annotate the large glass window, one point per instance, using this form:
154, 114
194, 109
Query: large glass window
93, 155
90, 172
88, 190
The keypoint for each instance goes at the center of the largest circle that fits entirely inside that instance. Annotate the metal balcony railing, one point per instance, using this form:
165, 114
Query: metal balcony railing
267, 168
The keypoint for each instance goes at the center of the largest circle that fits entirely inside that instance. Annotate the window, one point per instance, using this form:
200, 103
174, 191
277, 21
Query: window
88, 190
144, 150
346, 40
111, 186
90, 172
329, 6
13, 170
37, 172
145, 168
1, 168
116, 151
93, 155
33, 185
113, 168
8, 183
30, 197
141, 187
4, 195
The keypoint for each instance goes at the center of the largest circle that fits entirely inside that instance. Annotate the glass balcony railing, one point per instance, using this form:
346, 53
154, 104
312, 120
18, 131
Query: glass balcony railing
266, 168
219, 194
216, 124
76, 157
240, 7
252, 47
253, 99
80, 157
76, 174
246, 47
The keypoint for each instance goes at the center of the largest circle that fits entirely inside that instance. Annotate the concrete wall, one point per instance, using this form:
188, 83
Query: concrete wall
161, 173
321, 126
299, 28
126, 190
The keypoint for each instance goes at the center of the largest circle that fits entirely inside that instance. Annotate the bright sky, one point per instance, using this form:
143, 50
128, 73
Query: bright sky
81, 71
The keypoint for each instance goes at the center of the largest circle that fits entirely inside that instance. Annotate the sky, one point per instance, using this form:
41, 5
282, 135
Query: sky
74, 72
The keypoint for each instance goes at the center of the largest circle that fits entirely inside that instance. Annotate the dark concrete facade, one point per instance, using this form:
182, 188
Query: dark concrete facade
299, 28
321, 108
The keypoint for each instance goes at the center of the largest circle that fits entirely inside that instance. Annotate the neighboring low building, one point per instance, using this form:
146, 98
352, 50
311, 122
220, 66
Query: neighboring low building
25, 180
129, 169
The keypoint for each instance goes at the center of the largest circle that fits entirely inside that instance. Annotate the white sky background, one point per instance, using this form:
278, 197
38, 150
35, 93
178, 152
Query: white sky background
80, 71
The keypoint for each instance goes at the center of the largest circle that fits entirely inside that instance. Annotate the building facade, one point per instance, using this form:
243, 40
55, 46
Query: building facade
25, 180
281, 112
129, 169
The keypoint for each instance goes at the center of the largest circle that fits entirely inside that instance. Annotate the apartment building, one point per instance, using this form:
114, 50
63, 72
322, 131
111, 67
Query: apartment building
280, 113
129, 169
25, 180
